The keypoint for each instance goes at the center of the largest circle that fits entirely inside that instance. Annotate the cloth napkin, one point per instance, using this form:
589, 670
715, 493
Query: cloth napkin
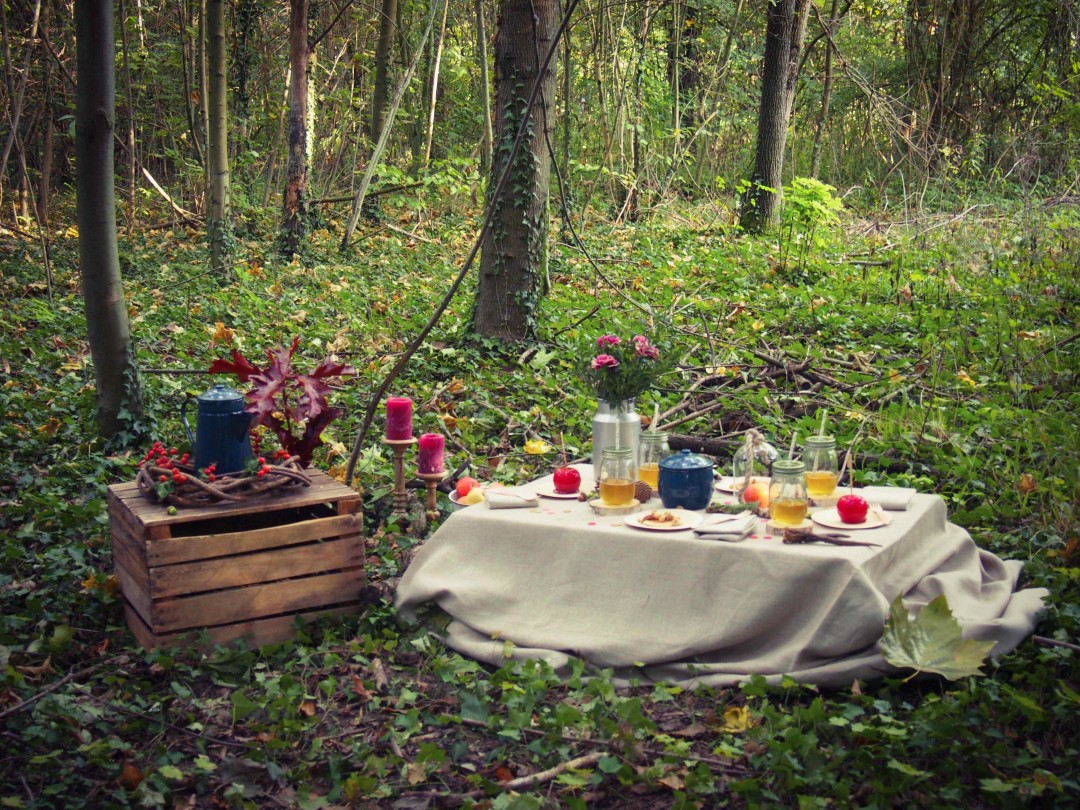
501, 499
731, 531
895, 499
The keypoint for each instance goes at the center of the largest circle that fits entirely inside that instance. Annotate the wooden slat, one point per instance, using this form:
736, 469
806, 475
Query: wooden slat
125, 553
129, 587
251, 569
252, 602
259, 631
323, 489
203, 547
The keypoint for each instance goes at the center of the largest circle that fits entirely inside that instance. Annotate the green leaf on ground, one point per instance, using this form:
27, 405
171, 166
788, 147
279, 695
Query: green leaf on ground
931, 642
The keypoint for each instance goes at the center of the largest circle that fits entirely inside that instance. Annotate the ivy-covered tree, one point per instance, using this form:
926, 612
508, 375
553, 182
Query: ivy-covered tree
514, 258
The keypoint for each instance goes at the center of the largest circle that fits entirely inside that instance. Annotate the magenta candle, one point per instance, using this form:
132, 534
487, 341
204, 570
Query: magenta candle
432, 450
398, 418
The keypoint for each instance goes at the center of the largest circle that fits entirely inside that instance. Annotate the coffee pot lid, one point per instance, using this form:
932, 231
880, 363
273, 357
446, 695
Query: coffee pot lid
686, 460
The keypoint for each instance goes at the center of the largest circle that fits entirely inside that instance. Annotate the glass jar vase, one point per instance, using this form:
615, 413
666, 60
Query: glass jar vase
617, 476
822, 466
653, 449
615, 424
787, 493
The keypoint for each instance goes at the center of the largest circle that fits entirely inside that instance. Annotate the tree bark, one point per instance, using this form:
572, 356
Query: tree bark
381, 94
485, 87
294, 206
515, 247
119, 395
785, 26
217, 213
826, 93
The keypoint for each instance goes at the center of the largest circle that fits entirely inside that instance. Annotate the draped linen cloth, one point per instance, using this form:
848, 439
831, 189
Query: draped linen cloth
558, 581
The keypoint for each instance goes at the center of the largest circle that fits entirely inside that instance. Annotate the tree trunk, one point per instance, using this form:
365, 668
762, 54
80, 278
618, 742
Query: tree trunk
515, 246
826, 93
49, 122
485, 87
217, 212
760, 208
119, 395
387, 26
294, 208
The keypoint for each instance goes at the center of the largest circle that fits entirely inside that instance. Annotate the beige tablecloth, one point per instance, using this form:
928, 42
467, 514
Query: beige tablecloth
557, 581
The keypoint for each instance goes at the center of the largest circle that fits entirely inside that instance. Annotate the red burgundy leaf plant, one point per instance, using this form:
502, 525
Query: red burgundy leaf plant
291, 404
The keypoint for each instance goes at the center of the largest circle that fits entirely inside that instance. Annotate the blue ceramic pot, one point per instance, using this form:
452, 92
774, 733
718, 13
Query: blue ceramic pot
686, 481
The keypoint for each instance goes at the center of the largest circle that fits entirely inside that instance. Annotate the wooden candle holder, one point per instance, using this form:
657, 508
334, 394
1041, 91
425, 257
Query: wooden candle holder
400, 511
431, 481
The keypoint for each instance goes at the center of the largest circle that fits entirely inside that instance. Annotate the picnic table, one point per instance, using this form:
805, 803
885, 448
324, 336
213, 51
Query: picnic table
556, 581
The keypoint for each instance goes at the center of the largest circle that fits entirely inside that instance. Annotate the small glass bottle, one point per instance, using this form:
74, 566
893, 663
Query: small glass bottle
652, 449
617, 476
822, 466
787, 493
757, 454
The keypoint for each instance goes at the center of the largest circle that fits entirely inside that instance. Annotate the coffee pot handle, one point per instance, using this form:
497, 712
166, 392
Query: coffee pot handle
184, 421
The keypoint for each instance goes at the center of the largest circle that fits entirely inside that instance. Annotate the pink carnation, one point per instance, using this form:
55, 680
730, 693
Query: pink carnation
607, 340
604, 361
643, 349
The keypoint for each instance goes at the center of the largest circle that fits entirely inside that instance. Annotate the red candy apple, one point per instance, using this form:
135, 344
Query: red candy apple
567, 480
852, 508
465, 484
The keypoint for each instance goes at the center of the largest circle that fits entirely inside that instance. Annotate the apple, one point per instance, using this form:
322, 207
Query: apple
465, 484
852, 508
474, 495
567, 480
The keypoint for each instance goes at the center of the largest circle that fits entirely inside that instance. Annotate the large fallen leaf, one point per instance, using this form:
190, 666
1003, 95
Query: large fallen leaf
931, 642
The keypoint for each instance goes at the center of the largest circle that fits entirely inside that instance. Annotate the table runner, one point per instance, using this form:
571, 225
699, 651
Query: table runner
557, 581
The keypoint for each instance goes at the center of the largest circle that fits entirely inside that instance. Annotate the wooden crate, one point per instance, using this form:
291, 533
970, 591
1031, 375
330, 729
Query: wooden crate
237, 570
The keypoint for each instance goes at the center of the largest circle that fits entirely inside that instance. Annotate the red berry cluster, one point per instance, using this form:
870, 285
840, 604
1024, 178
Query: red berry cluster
166, 458
264, 467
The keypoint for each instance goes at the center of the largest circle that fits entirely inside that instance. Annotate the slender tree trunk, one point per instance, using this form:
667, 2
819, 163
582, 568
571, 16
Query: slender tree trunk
514, 257
119, 395
485, 87
760, 208
217, 213
383, 51
826, 94
47, 138
435, 85
294, 208
130, 132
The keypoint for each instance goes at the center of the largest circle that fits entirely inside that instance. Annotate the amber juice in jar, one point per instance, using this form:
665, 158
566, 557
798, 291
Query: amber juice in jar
788, 511
617, 476
821, 483
649, 472
617, 491
821, 466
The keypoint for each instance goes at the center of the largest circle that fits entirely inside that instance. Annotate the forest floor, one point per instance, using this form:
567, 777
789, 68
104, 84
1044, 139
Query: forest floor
948, 343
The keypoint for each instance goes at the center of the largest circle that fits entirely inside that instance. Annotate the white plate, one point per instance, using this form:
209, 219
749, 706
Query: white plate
562, 496
687, 520
454, 500
831, 519
727, 483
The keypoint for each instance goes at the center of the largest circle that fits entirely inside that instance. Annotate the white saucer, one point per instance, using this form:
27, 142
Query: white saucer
831, 519
562, 496
687, 520
728, 484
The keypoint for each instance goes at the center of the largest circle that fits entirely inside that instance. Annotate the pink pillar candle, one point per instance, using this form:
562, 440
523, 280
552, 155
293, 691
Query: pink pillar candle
432, 450
398, 418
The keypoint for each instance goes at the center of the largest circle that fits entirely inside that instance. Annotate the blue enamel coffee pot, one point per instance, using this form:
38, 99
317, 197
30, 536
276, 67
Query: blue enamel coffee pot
686, 481
221, 430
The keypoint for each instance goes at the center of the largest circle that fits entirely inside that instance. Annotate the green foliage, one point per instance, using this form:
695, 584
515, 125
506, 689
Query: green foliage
950, 349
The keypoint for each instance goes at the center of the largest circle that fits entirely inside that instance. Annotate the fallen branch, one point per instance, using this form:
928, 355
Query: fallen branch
1042, 640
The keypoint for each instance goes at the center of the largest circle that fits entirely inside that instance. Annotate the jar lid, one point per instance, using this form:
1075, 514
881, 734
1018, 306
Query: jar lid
685, 460
821, 441
220, 399
619, 452
788, 467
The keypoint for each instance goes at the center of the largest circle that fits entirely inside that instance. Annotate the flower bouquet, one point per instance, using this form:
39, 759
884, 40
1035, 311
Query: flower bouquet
621, 371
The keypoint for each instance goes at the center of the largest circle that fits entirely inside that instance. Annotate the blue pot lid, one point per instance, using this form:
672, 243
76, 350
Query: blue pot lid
685, 460
221, 399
